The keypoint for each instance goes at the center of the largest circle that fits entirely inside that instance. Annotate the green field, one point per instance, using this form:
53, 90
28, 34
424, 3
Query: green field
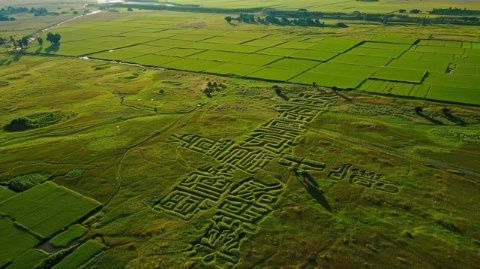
80, 256
47, 208
345, 59
64, 238
14, 241
163, 139
125, 148
29, 259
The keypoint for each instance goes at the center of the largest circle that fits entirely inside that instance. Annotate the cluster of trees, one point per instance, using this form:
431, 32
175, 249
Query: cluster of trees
6, 18
13, 10
22, 43
283, 21
455, 12
54, 39
213, 87
372, 17
6, 12
41, 11
304, 15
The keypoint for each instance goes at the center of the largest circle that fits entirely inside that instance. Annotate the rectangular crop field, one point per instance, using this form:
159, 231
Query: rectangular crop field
80, 255
400, 74
29, 259
48, 208
13, 241
5, 193
64, 238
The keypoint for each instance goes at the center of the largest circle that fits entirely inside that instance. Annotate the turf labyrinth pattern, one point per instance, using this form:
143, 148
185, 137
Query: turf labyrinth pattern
240, 206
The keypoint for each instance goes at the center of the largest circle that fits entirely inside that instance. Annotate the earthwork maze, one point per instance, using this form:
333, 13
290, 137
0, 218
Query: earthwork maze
239, 205
364, 178
243, 207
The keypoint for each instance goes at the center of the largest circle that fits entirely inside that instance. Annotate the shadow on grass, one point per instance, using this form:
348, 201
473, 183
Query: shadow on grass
453, 118
313, 189
52, 48
419, 112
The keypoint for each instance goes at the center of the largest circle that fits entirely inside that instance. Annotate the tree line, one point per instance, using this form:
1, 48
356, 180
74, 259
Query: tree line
250, 18
22, 43
5, 13
304, 15
455, 11
389, 18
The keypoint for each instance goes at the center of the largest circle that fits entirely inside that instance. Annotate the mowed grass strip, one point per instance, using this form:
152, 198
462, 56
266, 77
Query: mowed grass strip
334, 45
454, 94
376, 52
344, 76
191, 37
127, 53
81, 255
234, 38
153, 59
234, 69
400, 74
264, 42
343, 69
313, 55
197, 65
329, 80
387, 87
295, 45
422, 61
293, 64
238, 48
360, 60
13, 241
179, 52
453, 88
72, 233
278, 51
29, 259
385, 46
6, 193
275, 74
234, 57
48, 208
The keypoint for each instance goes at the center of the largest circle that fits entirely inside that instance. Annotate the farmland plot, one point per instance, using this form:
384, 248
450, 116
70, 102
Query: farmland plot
48, 208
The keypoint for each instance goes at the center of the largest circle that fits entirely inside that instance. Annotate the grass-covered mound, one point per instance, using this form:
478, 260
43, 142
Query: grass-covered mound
33, 121
25, 182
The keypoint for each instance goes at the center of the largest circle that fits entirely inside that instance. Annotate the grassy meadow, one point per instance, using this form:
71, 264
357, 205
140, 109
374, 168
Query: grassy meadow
120, 138
160, 139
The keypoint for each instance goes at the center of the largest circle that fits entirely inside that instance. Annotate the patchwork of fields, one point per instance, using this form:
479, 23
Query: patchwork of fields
158, 139
401, 64
29, 218
251, 176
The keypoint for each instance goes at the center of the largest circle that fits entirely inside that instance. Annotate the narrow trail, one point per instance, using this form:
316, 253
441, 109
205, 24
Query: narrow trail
118, 173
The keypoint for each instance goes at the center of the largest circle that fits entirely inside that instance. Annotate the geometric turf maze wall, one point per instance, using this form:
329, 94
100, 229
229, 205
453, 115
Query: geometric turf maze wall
238, 207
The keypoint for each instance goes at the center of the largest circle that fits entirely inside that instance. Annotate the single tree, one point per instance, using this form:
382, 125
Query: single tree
40, 41
228, 19
54, 38
23, 42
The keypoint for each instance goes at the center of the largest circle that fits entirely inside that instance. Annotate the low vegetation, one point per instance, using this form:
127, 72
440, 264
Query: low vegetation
36, 120
224, 134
